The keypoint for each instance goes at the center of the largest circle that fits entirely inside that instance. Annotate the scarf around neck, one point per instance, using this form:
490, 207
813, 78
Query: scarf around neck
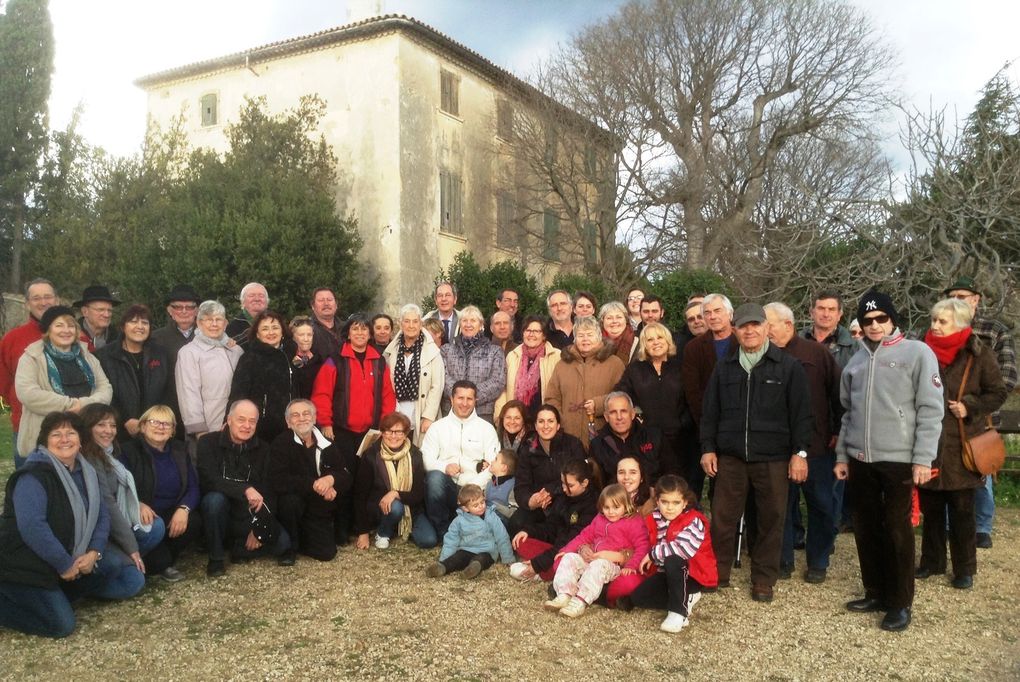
469, 343
85, 511
406, 377
400, 475
749, 360
529, 375
946, 347
206, 341
74, 355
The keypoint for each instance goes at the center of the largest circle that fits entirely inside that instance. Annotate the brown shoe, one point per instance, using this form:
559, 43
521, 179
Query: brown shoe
761, 592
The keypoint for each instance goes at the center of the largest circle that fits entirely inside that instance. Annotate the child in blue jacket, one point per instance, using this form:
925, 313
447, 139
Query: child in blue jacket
475, 540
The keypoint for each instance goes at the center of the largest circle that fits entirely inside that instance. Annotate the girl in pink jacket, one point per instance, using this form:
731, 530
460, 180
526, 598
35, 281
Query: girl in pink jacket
612, 545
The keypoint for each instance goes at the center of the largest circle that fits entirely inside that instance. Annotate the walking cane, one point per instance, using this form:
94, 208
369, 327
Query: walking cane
740, 541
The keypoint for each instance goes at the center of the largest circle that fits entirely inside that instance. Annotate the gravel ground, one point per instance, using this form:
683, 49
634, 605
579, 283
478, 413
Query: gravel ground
373, 615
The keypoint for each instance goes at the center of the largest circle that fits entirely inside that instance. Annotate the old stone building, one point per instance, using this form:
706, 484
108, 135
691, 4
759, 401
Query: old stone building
423, 129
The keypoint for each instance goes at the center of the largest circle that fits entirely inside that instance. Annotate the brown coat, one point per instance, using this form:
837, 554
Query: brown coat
575, 380
983, 394
698, 362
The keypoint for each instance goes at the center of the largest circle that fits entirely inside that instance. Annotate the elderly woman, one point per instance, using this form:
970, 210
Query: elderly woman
417, 370
471, 357
529, 367
129, 536
167, 485
204, 371
540, 460
265, 373
389, 489
617, 330
139, 370
654, 381
512, 425
586, 373
585, 304
53, 533
973, 388
56, 373
306, 361
893, 398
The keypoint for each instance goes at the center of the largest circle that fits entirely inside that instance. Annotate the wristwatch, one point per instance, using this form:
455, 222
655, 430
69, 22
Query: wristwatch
801, 454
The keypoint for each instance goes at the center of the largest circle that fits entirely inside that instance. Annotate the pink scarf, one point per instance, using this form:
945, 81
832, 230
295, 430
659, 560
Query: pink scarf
529, 378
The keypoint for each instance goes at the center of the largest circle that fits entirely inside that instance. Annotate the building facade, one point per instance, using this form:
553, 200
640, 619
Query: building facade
423, 132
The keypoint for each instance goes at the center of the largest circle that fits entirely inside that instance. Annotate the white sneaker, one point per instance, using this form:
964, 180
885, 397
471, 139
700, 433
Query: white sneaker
520, 571
691, 601
575, 609
382, 542
558, 602
674, 622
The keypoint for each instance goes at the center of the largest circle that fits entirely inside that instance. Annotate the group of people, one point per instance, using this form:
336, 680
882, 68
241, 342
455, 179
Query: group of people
574, 447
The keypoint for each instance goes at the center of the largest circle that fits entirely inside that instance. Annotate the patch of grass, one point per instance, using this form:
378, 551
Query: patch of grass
1007, 491
339, 621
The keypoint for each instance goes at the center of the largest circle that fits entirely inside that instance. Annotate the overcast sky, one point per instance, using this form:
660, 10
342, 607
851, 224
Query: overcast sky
947, 48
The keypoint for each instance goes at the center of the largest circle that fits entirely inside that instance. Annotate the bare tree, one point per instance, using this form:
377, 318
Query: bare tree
706, 95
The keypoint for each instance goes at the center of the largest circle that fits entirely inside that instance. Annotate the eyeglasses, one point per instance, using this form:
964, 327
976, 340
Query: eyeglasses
694, 318
395, 432
635, 298
156, 423
532, 331
183, 306
880, 319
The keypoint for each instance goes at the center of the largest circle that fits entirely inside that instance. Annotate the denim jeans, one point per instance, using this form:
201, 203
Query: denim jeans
820, 527
37, 610
984, 507
440, 500
422, 533
120, 581
152, 538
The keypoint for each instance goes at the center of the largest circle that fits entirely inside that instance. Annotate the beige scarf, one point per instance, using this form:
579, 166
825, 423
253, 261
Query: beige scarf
401, 475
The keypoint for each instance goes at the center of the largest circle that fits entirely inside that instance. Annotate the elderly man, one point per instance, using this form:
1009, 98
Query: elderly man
445, 298
309, 474
457, 450
254, 300
995, 335
624, 436
755, 432
509, 302
823, 379
501, 328
560, 330
96, 305
325, 325
182, 311
702, 353
472, 358
39, 297
238, 505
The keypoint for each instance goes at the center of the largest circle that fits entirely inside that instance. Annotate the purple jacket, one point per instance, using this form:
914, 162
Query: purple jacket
629, 533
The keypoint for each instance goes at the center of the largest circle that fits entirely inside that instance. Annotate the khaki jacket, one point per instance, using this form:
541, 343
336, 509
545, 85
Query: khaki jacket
513, 365
575, 380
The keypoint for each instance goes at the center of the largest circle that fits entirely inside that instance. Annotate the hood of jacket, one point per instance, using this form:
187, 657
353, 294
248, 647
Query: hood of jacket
571, 354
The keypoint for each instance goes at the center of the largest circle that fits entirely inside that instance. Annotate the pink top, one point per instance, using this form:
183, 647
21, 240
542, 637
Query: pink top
629, 533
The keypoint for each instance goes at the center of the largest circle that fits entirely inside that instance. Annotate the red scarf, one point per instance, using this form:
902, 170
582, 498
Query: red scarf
946, 347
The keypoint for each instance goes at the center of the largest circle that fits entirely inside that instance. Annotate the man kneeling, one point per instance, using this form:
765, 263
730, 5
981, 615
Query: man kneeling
237, 505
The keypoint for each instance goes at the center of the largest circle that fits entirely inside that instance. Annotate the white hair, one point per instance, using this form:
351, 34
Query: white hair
781, 310
410, 308
248, 286
725, 301
473, 312
211, 309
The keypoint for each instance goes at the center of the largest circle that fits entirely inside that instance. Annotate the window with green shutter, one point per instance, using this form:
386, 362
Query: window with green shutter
208, 105
450, 203
449, 95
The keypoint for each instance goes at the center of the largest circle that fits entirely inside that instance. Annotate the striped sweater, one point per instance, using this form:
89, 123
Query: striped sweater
688, 537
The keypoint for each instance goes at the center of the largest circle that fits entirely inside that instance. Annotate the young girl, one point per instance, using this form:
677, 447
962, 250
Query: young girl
681, 562
612, 545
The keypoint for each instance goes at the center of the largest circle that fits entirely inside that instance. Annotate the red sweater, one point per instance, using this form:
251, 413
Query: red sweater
702, 565
12, 345
358, 396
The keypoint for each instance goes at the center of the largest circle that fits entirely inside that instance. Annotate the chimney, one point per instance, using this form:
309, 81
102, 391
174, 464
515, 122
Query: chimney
359, 10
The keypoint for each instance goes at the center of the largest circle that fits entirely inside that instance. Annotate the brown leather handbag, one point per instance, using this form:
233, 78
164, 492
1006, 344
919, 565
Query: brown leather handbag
984, 453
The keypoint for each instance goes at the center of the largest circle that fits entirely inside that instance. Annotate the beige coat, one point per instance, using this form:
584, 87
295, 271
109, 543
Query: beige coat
513, 364
575, 380
430, 382
32, 384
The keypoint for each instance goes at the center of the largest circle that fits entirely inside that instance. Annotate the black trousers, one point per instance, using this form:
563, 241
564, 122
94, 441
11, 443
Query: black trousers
962, 530
308, 519
880, 493
343, 520
670, 588
460, 559
164, 555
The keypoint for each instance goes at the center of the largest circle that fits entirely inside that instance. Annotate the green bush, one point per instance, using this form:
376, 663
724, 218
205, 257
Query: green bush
676, 288
480, 286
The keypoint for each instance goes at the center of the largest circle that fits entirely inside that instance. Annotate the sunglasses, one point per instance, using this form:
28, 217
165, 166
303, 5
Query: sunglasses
880, 319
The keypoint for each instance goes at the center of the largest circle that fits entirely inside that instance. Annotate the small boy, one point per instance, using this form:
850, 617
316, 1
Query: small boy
475, 540
501, 488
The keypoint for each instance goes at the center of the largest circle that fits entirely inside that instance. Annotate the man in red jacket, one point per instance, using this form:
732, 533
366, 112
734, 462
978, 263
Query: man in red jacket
39, 297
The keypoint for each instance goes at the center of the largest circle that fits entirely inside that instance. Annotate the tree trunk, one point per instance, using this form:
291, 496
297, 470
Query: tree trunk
18, 239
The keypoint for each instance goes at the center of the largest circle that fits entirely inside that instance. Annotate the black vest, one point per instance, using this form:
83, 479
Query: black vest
342, 394
18, 563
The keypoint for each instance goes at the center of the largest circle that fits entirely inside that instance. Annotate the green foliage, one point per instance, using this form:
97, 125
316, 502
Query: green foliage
265, 210
26, 64
480, 286
675, 288
574, 282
